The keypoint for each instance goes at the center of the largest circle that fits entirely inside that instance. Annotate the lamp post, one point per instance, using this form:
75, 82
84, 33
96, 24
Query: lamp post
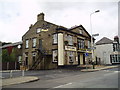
92, 35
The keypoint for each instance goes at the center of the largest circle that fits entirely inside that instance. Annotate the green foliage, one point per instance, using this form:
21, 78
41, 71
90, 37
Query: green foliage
8, 58
13, 55
5, 55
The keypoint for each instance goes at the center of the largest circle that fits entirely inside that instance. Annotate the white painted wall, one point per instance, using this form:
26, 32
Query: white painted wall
103, 52
60, 49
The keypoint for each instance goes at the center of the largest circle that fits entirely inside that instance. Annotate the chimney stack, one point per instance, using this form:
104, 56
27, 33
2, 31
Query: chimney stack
40, 17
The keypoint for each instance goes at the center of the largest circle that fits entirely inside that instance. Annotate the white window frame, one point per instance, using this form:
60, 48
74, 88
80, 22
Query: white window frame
81, 44
27, 43
55, 54
55, 38
34, 41
38, 30
71, 55
70, 40
20, 59
80, 31
89, 44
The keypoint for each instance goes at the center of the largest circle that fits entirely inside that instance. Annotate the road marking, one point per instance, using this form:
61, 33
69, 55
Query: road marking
111, 73
62, 85
116, 71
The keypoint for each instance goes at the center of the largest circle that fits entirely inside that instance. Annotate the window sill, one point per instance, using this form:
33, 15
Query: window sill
55, 44
54, 62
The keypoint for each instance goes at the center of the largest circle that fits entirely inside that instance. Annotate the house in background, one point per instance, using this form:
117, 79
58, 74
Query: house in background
104, 48
11, 56
108, 51
115, 55
47, 45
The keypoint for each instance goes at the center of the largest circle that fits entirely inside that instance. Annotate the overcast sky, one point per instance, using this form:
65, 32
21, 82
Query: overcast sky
17, 15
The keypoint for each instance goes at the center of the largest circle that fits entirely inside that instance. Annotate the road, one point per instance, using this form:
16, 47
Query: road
52, 79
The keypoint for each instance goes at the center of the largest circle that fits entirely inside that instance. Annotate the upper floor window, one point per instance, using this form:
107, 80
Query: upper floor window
70, 40
81, 44
55, 38
80, 31
27, 44
89, 44
38, 30
34, 42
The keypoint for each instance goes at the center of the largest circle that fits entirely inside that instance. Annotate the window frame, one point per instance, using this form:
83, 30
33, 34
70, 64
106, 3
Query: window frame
89, 44
70, 41
27, 43
20, 59
33, 42
55, 38
71, 54
81, 43
53, 56
38, 29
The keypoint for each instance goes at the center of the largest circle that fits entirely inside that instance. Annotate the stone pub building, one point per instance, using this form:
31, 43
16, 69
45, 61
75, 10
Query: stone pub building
47, 45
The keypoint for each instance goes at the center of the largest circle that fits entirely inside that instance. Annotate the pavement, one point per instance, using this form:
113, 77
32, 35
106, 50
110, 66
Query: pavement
18, 80
98, 67
9, 71
24, 79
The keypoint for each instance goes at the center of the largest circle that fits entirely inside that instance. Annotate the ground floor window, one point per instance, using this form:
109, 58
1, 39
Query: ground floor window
55, 55
115, 58
71, 56
20, 59
33, 57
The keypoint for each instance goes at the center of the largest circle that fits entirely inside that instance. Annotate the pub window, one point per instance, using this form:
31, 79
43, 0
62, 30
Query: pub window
26, 43
81, 44
80, 31
34, 42
55, 55
20, 59
38, 30
112, 58
70, 40
89, 44
116, 58
71, 56
55, 38
33, 57
119, 58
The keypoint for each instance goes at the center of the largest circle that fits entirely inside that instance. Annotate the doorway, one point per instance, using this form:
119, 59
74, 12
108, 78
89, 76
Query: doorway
78, 58
83, 59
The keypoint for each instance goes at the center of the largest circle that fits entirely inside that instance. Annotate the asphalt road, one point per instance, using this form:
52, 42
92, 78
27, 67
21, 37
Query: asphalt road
52, 79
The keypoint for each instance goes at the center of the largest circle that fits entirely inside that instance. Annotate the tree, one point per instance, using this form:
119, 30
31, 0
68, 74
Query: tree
6, 57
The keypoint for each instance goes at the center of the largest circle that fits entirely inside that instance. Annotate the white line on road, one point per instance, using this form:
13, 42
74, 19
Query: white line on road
62, 85
111, 73
116, 71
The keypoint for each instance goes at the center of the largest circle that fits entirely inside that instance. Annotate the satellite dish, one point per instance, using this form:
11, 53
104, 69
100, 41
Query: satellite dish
19, 46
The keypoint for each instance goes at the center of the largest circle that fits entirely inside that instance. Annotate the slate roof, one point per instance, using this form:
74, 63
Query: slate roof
104, 40
12, 44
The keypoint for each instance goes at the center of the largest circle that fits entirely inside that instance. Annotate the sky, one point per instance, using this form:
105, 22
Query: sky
17, 15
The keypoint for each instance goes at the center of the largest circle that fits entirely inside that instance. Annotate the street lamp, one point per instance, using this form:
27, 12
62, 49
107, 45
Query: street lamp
91, 33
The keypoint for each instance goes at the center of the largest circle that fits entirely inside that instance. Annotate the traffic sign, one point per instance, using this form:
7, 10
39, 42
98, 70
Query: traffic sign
86, 54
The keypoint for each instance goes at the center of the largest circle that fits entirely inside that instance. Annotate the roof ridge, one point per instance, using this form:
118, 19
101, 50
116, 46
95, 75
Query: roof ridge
104, 40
